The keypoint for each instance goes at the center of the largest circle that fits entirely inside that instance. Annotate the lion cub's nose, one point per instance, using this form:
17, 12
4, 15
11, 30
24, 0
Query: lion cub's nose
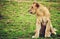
30, 11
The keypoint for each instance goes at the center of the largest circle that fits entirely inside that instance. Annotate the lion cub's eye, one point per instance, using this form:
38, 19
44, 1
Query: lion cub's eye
32, 7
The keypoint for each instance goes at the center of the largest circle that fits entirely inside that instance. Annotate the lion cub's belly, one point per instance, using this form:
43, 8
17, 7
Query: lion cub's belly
43, 27
42, 30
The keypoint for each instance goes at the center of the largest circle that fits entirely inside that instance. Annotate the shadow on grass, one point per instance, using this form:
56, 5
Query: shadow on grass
29, 36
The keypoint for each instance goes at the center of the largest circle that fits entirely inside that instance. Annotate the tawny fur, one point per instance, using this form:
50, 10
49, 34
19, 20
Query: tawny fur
42, 13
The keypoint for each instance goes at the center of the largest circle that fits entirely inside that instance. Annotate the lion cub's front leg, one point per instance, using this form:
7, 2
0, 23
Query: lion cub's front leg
38, 27
49, 29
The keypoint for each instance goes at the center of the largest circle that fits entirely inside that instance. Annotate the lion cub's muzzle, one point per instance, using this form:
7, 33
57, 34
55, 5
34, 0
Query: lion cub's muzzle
30, 11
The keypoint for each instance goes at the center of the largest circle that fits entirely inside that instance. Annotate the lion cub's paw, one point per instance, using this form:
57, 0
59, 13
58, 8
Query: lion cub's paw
34, 36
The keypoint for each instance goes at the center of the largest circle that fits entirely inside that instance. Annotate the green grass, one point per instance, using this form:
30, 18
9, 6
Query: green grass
17, 23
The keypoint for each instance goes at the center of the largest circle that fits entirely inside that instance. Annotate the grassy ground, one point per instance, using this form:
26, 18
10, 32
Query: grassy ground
17, 23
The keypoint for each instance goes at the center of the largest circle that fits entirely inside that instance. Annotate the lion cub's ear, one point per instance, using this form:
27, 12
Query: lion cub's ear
37, 5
